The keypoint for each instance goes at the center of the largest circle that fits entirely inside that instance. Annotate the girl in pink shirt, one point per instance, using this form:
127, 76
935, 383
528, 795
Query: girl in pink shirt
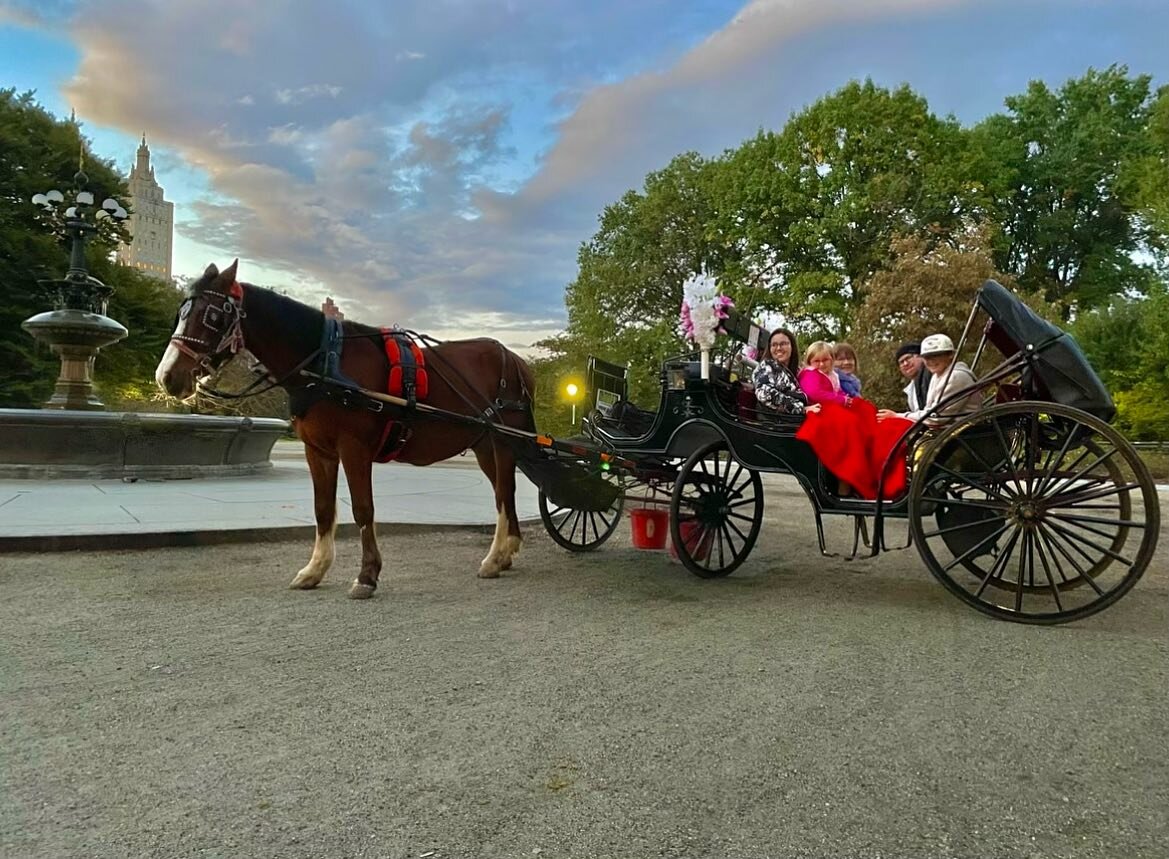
817, 379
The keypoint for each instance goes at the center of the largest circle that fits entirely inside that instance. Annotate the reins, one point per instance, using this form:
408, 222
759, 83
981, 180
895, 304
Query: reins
232, 340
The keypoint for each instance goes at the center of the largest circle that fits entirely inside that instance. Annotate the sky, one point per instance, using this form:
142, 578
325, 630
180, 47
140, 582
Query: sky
438, 163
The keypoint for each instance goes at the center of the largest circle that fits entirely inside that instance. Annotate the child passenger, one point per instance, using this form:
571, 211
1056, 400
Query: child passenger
845, 364
818, 380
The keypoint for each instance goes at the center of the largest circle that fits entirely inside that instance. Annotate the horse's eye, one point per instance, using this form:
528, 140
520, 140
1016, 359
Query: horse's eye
184, 310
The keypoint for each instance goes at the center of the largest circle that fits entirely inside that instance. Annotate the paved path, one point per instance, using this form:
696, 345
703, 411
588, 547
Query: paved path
80, 513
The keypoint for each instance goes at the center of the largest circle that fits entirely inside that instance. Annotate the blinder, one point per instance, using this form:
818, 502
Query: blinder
223, 336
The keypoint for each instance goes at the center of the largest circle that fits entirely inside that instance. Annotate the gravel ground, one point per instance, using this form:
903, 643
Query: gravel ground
181, 702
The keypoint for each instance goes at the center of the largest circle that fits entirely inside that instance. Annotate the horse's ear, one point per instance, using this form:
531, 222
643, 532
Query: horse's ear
211, 272
229, 272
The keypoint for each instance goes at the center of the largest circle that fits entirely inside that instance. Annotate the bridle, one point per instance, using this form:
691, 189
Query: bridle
220, 319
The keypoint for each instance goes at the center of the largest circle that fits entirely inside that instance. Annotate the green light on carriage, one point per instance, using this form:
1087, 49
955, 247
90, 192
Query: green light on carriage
604, 466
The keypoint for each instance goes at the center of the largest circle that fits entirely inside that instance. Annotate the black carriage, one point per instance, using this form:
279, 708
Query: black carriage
1033, 508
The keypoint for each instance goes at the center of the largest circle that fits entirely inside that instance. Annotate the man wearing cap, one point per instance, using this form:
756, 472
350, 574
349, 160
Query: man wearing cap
946, 376
913, 368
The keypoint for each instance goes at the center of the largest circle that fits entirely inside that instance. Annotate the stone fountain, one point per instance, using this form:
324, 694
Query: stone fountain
73, 436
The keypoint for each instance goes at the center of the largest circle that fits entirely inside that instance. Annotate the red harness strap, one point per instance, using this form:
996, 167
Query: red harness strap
407, 379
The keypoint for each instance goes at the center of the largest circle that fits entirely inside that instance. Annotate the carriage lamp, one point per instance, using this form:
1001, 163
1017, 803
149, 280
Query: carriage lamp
571, 390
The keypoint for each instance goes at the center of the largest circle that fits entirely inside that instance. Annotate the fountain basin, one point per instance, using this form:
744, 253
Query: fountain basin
68, 443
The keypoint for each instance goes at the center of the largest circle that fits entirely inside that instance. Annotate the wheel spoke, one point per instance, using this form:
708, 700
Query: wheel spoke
1066, 532
576, 520
973, 550
980, 523
704, 541
1074, 499
596, 531
974, 484
731, 524
1024, 556
990, 469
1009, 457
999, 563
1042, 535
1037, 541
966, 502
1031, 444
1084, 454
1120, 523
1098, 532
1063, 551
1071, 481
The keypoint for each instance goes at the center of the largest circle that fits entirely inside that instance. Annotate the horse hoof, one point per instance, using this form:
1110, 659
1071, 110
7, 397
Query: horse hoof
489, 572
299, 584
360, 591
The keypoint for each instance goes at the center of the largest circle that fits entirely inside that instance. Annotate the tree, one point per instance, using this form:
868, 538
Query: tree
1059, 170
624, 303
927, 289
1127, 342
813, 208
40, 152
1149, 173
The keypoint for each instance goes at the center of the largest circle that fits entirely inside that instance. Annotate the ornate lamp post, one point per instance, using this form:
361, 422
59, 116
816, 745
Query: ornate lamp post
77, 328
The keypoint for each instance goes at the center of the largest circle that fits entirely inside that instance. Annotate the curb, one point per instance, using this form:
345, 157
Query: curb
172, 539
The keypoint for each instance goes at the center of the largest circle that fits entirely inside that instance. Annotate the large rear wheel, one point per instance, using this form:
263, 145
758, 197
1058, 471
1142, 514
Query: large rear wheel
715, 512
1034, 512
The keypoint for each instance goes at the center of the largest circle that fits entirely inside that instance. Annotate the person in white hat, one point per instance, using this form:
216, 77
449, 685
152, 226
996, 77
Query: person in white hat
947, 376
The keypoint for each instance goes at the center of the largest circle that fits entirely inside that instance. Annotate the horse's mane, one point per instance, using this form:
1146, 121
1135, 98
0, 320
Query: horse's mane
300, 321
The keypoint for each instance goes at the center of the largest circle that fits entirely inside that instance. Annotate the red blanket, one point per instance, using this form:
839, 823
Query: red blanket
853, 445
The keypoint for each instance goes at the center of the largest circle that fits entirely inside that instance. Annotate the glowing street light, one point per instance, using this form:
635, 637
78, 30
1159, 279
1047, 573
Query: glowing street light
571, 390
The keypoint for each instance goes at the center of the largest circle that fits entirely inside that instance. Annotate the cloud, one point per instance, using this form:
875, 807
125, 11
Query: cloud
442, 160
304, 93
37, 13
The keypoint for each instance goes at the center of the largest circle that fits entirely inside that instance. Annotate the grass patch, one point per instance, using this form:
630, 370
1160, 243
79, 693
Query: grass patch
1158, 463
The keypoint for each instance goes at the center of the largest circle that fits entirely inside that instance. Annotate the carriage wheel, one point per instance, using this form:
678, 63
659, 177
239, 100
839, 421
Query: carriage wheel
582, 530
1034, 512
715, 512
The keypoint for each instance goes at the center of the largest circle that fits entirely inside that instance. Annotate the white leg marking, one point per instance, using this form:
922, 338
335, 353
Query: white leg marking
324, 549
496, 555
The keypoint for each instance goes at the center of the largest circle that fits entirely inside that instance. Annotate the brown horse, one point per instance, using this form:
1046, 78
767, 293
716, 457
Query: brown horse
469, 377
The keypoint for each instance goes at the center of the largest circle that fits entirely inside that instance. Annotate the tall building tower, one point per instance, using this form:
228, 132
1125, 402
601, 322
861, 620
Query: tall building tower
151, 223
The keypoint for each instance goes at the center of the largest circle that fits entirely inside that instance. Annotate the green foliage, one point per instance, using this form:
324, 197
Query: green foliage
866, 217
815, 206
623, 305
925, 290
1149, 173
1061, 170
1128, 343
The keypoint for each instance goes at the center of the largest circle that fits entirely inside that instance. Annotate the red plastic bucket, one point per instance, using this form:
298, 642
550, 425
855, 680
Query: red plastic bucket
697, 544
650, 527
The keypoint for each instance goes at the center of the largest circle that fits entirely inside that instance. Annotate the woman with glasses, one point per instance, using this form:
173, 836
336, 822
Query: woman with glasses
775, 379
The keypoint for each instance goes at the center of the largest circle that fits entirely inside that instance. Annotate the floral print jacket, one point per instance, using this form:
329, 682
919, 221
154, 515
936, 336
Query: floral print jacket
776, 388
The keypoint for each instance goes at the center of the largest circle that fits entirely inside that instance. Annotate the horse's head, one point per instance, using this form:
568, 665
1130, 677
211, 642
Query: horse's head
207, 331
